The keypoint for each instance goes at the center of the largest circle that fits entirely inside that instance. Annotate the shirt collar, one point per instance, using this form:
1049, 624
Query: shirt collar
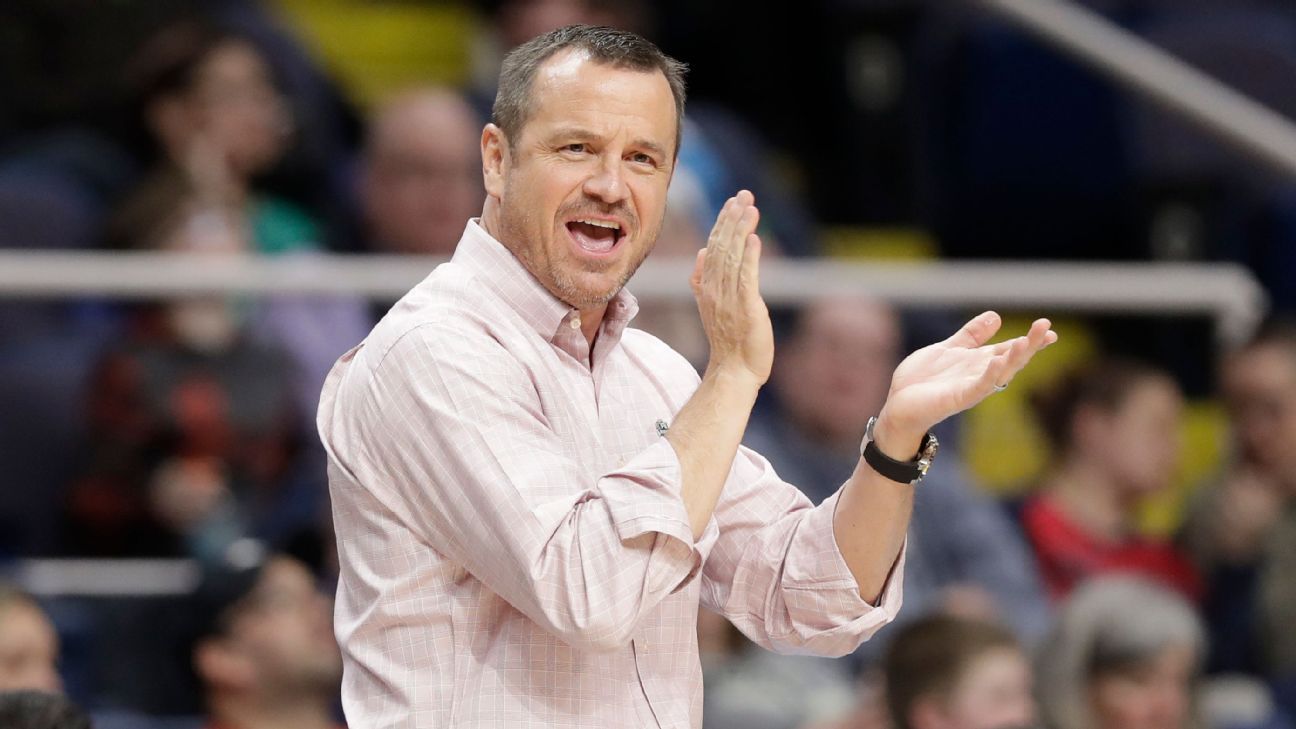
505, 276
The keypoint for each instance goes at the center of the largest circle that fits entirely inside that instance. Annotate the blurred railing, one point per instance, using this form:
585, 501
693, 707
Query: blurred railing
1227, 293
1147, 69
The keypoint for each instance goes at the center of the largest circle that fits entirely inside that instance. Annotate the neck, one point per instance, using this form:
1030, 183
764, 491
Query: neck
591, 319
263, 712
1091, 499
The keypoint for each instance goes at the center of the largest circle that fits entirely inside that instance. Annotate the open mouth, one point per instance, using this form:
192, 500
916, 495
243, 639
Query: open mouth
594, 235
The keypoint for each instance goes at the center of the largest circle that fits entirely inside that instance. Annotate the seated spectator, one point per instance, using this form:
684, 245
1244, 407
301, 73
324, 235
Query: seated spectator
1242, 527
39, 710
963, 554
944, 672
263, 652
751, 688
211, 108
422, 175
29, 647
1124, 654
195, 435
1114, 428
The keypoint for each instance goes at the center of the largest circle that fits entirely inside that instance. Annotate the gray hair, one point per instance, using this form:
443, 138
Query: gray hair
609, 46
1108, 624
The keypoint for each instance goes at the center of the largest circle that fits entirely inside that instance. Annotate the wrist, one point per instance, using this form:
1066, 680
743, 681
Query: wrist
894, 439
733, 376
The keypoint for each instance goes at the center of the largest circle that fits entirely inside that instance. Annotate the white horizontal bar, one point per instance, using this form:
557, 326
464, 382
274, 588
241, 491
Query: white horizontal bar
1226, 292
108, 577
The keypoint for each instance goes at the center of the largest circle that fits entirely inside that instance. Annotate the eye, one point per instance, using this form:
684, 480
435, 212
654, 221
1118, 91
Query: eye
575, 148
643, 159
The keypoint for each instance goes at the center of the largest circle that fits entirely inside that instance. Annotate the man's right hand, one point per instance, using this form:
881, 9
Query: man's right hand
726, 283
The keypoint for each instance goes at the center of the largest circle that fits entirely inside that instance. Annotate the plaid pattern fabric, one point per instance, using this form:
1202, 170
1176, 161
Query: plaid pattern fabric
514, 549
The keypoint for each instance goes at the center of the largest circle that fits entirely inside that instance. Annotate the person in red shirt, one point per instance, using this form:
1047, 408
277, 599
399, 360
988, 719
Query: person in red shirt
1114, 427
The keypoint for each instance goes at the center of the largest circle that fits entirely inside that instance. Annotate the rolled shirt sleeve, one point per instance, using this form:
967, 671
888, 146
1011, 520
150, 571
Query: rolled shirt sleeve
777, 573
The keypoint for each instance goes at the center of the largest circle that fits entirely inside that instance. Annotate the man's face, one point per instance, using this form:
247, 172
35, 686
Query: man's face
1259, 387
581, 190
28, 650
286, 631
994, 693
836, 369
423, 178
1156, 694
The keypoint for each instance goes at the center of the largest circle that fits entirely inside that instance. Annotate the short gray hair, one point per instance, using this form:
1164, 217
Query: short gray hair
1109, 624
609, 46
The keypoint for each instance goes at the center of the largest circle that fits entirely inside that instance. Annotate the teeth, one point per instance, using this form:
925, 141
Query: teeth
601, 224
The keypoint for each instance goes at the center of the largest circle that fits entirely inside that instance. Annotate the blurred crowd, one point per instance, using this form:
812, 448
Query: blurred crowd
184, 428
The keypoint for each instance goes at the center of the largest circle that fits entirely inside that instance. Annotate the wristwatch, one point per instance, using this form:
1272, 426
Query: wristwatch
910, 472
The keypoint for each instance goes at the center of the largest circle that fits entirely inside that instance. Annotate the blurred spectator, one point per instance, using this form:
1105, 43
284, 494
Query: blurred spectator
1242, 529
39, 710
944, 672
751, 688
1124, 654
963, 554
29, 647
263, 652
210, 106
1114, 429
194, 431
422, 176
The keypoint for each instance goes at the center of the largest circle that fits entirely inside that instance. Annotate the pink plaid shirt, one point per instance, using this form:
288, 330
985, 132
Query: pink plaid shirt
514, 549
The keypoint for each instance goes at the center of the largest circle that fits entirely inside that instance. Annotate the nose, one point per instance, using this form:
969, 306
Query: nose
606, 183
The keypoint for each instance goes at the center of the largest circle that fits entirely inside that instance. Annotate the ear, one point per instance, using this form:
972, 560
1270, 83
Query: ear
495, 160
220, 667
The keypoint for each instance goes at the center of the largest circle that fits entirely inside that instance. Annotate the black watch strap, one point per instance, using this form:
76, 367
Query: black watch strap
900, 471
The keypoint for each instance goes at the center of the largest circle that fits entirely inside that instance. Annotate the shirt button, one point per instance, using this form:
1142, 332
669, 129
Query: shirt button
575, 322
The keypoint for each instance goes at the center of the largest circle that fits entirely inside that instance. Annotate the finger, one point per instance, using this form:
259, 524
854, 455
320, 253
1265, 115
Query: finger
719, 231
749, 280
1006, 365
718, 242
734, 250
1040, 335
695, 281
977, 331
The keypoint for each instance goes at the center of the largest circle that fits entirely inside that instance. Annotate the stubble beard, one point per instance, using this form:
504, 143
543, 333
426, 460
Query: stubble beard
550, 272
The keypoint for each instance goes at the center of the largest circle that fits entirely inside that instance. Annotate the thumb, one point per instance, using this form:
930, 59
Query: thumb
695, 281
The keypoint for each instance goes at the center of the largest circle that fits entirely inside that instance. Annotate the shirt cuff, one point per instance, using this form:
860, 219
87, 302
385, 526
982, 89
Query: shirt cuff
824, 582
643, 496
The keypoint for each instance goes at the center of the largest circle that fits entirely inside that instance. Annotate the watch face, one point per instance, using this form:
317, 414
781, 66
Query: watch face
929, 447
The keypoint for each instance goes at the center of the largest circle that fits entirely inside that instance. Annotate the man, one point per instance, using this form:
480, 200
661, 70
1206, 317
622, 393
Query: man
528, 495
29, 646
264, 655
963, 554
422, 174
1242, 529
944, 672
